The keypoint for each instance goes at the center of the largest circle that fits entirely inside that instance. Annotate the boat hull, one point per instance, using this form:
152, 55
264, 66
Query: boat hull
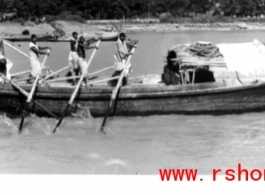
139, 100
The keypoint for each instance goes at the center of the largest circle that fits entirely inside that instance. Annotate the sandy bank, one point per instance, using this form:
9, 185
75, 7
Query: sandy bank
190, 27
69, 27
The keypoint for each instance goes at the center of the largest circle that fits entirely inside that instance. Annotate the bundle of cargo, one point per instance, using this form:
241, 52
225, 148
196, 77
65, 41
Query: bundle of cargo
199, 54
228, 60
192, 63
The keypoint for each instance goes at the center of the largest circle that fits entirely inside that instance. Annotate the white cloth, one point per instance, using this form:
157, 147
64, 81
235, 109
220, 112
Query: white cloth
119, 66
121, 52
32, 54
246, 58
9, 65
35, 67
83, 66
34, 60
73, 59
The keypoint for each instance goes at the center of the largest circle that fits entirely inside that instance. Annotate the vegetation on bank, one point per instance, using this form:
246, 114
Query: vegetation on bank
167, 11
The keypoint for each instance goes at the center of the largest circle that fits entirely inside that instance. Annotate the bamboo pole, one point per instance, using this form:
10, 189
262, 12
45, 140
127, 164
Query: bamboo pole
116, 90
26, 94
22, 53
14, 48
55, 73
76, 77
76, 88
20, 73
102, 70
30, 96
27, 71
90, 83
22, 79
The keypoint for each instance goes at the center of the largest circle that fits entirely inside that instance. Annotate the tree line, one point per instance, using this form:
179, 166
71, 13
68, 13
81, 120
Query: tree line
117, 9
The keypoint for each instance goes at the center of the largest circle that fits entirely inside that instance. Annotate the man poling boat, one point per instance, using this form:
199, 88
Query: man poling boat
82, 63
122, 52
84, 73
30, 96
73, 56
5, 64
115, 93
34, 52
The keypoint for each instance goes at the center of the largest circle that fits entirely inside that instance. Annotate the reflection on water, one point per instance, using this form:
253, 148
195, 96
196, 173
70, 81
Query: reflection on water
134, 145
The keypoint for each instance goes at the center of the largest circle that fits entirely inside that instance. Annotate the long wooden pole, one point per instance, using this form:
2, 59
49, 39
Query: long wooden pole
115, 91
22, 53
26, 94
31, 93
102, 70
20, 73
76, 77
237, 76
25, 72
56, 72
11, 46
76, 89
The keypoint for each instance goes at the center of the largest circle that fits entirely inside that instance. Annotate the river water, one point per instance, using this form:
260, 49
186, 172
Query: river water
133, 145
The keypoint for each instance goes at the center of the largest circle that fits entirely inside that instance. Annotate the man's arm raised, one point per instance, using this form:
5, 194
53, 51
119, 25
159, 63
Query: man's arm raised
39, 52
44, 48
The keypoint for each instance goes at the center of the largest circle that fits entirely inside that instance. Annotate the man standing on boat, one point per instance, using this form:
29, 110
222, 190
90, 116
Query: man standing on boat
5, 64
81, 51
120, 57
73, 56
34, 52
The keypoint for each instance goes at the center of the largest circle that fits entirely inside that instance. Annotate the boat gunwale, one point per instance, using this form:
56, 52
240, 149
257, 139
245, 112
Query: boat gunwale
128, 93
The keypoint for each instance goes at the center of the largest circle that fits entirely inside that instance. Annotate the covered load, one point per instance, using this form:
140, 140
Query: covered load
245, 59
199, 53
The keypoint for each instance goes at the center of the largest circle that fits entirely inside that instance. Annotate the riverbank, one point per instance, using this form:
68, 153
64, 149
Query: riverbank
69, 27
188, 27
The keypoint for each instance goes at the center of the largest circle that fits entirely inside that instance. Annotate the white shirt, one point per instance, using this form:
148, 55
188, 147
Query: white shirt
32, 54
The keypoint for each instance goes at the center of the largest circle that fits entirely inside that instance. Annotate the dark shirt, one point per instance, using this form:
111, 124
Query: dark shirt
81, 51
72, 45
3, 66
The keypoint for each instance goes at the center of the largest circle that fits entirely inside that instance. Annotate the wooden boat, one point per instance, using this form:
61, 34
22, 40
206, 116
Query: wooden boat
140, 99
144, 96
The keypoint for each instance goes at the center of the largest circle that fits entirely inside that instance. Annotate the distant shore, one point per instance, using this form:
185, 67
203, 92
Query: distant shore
69, 27
190, 27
